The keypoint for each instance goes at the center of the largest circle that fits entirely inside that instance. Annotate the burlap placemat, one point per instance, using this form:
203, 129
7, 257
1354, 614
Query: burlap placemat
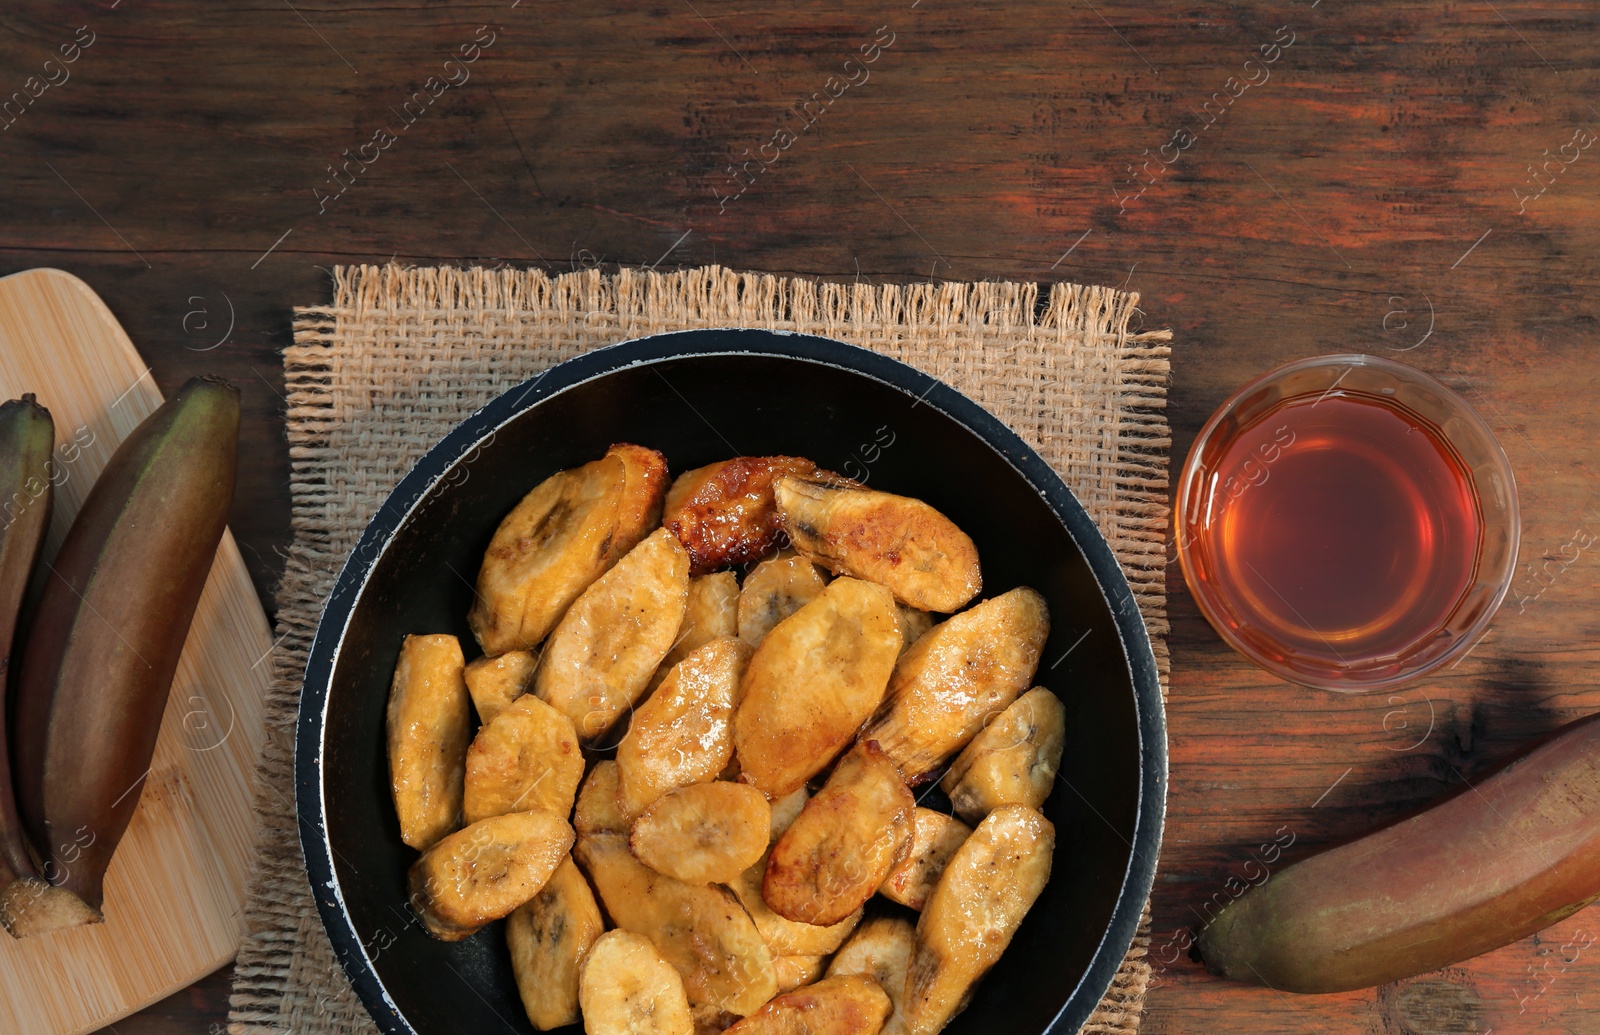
402, 355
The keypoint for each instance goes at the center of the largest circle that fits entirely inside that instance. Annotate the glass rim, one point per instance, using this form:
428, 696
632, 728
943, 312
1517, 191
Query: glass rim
1498, 582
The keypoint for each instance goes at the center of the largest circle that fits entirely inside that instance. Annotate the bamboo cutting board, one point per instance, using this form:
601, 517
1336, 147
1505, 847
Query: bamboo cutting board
175, 891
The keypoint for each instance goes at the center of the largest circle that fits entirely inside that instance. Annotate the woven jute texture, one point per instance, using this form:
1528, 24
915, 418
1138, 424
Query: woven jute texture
402, 355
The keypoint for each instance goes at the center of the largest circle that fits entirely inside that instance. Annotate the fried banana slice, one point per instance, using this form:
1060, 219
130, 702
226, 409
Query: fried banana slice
683, 734
844, 1005
1013, 761
957, 678
977, 906
429, 723
700, 929
914, 624
895, 541
547, 936
818, 675
482, 872
707, 833
881, 949
934, 839
775, 589
785, 937
796, 971
562, 536
626, 988
723, 513
785, 810
526, 759
844, 843
596, 811
599, 659
496, 682
712, 611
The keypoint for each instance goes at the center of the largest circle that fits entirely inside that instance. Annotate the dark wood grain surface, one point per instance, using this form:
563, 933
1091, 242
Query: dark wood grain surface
1277, 179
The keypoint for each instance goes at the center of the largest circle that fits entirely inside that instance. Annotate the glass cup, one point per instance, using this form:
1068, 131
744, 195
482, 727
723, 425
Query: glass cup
1347, 522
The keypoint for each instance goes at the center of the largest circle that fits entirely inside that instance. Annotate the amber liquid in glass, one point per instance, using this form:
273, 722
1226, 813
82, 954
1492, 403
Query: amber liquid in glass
1342, 528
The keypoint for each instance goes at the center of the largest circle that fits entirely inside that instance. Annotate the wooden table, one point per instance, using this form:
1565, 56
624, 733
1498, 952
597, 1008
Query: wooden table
1277, 179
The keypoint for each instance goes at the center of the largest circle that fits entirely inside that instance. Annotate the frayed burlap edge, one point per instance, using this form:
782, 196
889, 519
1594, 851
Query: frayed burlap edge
269, 977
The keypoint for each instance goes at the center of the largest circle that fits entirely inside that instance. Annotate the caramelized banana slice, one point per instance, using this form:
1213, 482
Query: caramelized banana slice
429, 724
814, 680
1012, 762
957, 678
775, 589
626, 988
844, 843
483, 872
597, 811
564, 534
846, 1005
547, 936
895, 541
598, 661
526, 759
723, 513
683, 734
700, 929
496, 682
785, 810
934, 839
796, 971
708, 833
881, 949
914, 624
977, 906
712, 611
785, 937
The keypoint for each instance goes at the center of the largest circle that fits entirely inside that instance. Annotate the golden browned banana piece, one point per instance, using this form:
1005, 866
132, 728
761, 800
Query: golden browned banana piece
599, 659
626, 988
895, 541
934, 840
845, 1005
797, 971
775, 589
707, 833
547, 936
1013, 761
683, 734
596, 811
844, 842
785, 937
881, 949
994, 879
496, 682
562, 536
723, 513
430, 722
712, 611
698, 928
818, 675
526, 759
957, 678
785, 810
482, 872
